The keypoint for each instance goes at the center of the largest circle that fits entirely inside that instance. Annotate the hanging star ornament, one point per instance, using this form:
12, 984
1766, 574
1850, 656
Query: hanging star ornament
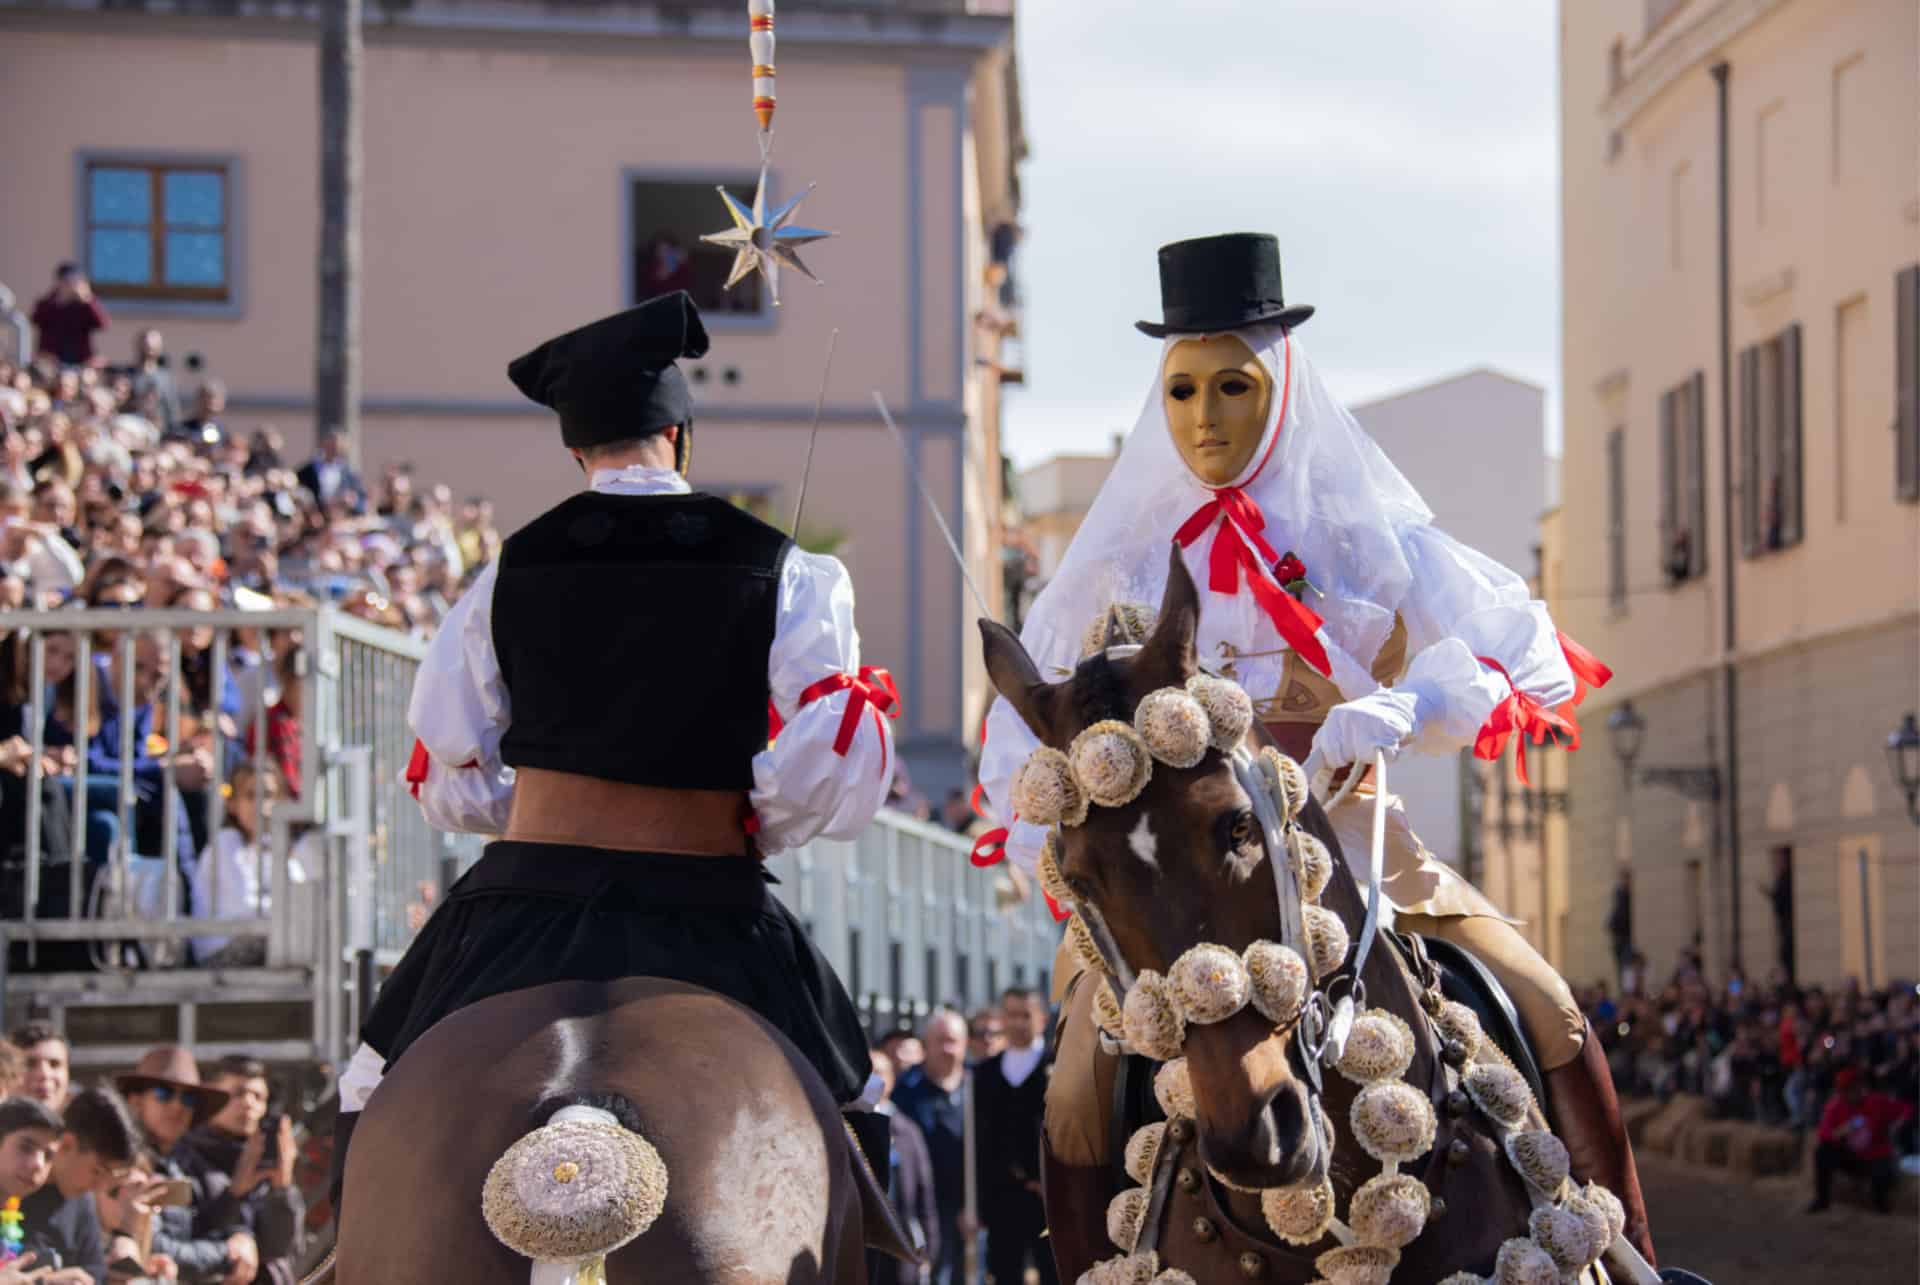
765, 242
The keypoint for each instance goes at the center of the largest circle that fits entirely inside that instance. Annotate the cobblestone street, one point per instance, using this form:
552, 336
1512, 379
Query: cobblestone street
1736, 1233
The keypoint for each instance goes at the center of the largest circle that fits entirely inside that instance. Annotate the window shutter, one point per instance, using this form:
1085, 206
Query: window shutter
1696, 448
1792, 528
1906, 365
1669, 485
1749, 479
1616, 519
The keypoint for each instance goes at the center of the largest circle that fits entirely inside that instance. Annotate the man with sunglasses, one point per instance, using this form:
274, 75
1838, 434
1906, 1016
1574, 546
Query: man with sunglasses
168, 1099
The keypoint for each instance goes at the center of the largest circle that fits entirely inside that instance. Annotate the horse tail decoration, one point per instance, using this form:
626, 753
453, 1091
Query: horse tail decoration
575, 1189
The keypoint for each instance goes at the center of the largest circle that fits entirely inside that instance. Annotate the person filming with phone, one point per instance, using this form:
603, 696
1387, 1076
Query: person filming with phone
246, 1153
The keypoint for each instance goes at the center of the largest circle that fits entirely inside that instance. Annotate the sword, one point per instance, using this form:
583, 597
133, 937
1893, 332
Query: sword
813, 434
953, 546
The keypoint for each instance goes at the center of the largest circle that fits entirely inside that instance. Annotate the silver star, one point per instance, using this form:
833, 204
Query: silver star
765, 242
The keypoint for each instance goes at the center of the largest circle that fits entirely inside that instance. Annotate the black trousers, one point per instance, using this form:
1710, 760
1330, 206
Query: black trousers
1014, 1235
1830, 1158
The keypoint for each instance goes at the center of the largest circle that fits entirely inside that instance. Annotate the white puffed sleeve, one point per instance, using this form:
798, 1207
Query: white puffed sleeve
1462, 607
459, 712
1009, 741
803, 787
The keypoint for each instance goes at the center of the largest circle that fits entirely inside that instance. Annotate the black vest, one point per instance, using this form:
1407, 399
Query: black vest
633, 633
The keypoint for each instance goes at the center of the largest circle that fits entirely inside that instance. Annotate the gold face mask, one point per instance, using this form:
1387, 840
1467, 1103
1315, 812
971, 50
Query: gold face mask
1217, 396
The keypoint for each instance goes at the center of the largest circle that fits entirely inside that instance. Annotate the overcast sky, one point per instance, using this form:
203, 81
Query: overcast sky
1405, 154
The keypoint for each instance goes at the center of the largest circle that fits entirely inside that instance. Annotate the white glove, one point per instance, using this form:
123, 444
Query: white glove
1384, 720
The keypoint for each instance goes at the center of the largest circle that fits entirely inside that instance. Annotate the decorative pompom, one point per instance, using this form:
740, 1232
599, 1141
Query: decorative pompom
1173, 1090
1173, 1276
1501, 1092
1209, 984
1521, 1262
1152, 1020
1052, 882
1326, 940
1111, 763
1565, 1236
1311, 862
1136, 622
1455, 1021
1229, 709
1276, 981
1299, 1215
1380, 1047
1293, 782
1143, 1149
1393, 1121
1125, 1213
1106, 1010
1135, 1269
1358, 1265
574, 1189
1174, 727
1541, 1159
1463, 1278
1390, 1210
1081, 940
1599, 1232
1045, 791
1609, 1204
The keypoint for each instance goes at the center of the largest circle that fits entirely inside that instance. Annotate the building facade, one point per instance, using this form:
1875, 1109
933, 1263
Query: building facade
531, 166
1739, 528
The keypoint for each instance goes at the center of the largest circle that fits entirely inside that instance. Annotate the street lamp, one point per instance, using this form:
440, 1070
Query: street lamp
1627, 730
1903, 758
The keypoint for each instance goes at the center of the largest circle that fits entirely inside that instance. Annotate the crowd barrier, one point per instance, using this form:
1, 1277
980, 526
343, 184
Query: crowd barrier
96, 940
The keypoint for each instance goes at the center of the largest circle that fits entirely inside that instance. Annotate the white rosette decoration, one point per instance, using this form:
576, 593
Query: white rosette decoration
1173, 1276
573, 1190
1229, 709
1390, 1211
1455, 1021
1276, 982
1299, 1215
1106, 1012
1052, 881
1151, 1018
1045, 792
1134, 1269
1394, 1123
1111, 763
1311, 862
1499, 1091
1521, 1262
1209, 984
1080, 941
1609, 1205
1143, 1152
1293, 781
1380, 1047
1358, 1265
1174, 726
1173, 1090
1327, 941
1125, 1214
1541, 1159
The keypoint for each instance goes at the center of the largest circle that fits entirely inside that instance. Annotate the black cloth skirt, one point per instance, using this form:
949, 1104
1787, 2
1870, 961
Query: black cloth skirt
531, 913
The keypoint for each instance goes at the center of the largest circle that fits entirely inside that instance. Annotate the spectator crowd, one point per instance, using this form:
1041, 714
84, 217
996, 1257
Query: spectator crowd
156, 1176
1843, 1063
127, 485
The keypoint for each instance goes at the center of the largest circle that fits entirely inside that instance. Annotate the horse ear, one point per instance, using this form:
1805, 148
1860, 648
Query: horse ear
1013, 674
1169, 650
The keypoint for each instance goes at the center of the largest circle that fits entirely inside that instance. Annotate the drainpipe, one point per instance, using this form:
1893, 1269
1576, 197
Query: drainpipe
1729, 675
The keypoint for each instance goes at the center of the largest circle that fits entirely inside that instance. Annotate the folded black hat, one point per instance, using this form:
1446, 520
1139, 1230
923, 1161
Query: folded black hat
614, 379
1217, 283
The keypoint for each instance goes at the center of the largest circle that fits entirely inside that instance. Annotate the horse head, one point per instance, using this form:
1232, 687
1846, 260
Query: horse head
1185, 861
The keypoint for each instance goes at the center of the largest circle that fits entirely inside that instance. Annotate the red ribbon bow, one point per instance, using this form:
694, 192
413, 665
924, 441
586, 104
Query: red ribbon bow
1522, 717
1238, 547
872, 686
990, 849
417, 766
1588, 669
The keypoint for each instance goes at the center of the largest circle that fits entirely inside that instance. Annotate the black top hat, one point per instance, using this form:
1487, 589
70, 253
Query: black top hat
1215, 283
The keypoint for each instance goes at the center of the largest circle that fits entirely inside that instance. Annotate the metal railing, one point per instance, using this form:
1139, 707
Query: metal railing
901, 914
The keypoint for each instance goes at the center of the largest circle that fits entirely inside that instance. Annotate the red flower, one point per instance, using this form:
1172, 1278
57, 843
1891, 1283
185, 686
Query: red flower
1289, 569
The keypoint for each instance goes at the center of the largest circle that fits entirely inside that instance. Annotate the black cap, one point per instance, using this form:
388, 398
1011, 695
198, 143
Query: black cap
1216, 283
614, 379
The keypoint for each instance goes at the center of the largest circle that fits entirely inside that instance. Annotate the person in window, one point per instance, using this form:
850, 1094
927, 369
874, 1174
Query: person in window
553, 708
67, 318
666, 266
1355, 625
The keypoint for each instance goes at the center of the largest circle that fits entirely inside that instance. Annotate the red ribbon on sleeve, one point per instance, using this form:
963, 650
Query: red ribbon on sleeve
1588, 669
417, 769
1519, 717
872, 687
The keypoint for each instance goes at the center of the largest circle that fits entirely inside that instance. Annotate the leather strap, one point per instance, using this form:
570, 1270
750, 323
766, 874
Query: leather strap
563, 807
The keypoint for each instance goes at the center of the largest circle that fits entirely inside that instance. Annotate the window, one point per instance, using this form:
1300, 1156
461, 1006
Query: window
1676, 214
1771, 171
1616, 66
159, 231
1658, 11
1906, 365
1683, 483
665, 221
1770, 437
1617, 519
1851, 117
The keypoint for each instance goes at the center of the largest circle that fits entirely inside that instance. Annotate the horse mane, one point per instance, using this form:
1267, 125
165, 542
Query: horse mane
1099, 693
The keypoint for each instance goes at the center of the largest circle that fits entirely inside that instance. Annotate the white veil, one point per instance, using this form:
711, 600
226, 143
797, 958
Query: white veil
1328, 493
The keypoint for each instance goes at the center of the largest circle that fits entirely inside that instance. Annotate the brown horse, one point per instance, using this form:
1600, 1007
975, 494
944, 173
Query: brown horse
759, 1182
1185, 862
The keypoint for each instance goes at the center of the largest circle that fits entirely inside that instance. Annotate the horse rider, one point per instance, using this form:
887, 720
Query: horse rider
602, 699
1350, 619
